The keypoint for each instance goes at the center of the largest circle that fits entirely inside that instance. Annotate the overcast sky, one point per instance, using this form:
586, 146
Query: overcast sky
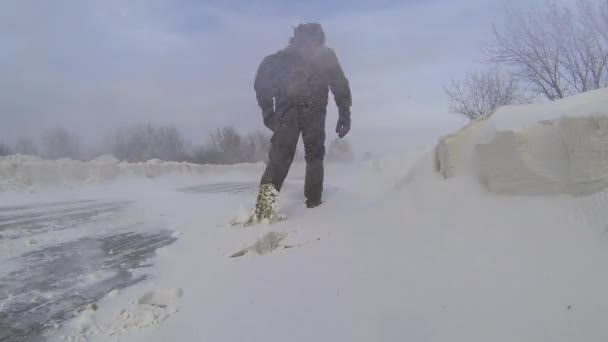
95, 65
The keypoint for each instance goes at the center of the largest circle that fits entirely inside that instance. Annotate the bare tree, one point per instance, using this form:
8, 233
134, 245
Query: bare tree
229, 143
258, 146
206, 155
60, 143
5, 150
481, 93
26, 146
224, 146
140, 143
169, 143
227, 146
556, 50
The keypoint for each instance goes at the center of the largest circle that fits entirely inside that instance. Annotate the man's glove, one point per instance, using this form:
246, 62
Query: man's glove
343, 126
270, 120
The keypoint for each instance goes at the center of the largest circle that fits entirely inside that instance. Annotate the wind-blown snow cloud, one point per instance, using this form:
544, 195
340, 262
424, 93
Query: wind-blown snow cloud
94, 65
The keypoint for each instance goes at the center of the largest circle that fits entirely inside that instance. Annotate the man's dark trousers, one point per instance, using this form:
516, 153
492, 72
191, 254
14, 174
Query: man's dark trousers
310, 122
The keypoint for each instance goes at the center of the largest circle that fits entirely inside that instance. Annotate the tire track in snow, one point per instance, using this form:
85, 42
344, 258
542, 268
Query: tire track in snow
35, 223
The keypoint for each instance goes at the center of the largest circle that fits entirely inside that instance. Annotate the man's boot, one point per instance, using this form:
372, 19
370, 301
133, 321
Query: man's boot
313, 204
313, 183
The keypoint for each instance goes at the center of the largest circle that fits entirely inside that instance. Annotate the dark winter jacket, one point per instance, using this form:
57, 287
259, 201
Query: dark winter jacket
301, 78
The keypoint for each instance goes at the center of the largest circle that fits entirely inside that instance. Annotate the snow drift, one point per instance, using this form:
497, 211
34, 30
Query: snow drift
540, 149
20, 171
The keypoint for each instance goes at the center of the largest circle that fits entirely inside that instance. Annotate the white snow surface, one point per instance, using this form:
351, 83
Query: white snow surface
559, 147
22, 172
395, 253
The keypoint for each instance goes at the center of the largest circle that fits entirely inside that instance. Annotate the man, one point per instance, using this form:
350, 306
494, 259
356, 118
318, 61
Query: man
292, 89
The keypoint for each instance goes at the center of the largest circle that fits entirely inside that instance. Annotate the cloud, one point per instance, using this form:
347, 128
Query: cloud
95, 65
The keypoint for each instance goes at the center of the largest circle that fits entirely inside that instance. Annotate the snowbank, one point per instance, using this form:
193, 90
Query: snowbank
394, 253
429, 261
541, 149
20, 171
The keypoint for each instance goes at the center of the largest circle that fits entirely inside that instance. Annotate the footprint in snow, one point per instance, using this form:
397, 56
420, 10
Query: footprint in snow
265, 244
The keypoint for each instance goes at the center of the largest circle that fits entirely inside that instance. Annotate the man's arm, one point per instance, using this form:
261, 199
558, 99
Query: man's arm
338, 83
264, 86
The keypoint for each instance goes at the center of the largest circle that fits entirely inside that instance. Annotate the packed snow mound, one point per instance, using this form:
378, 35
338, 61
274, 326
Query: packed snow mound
20, 171
540, 149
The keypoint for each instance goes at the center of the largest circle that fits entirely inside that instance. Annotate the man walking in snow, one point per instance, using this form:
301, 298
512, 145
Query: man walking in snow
292, 88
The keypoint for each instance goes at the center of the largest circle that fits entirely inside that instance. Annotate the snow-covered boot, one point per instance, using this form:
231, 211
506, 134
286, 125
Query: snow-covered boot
267, 209
266, 206
265, 202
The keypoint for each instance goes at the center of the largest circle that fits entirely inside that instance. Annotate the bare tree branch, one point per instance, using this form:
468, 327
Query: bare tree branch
139, 143
5, 150
481, 93
26, 146
556, 50
60, 143
227, 146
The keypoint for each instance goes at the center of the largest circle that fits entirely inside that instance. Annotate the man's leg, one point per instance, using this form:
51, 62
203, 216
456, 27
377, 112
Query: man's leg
283, 146
313, 135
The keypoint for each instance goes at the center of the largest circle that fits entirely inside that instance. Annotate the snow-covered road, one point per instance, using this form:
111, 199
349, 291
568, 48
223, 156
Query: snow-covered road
58, 256
45, 281
396, 252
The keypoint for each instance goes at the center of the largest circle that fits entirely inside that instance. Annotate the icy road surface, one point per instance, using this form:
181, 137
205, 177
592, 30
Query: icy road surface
57, 257
47, 276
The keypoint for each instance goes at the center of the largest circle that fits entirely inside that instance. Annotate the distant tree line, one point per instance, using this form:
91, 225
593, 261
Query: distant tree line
545, 52
140, 143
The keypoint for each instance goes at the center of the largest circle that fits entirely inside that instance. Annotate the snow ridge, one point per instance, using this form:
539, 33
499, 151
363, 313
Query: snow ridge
541, 149
18, 172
